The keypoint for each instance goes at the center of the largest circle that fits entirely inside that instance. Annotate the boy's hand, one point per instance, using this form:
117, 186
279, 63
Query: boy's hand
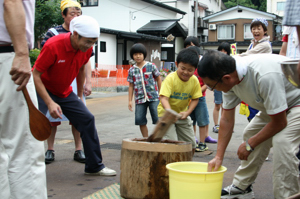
184, 115
55, 110
130, 106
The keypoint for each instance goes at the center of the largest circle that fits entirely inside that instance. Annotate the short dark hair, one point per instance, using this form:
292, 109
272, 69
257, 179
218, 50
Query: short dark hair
258, 23
195, 48
65, 12
191, 39
138, 48
215, 64
225, 46
188, 56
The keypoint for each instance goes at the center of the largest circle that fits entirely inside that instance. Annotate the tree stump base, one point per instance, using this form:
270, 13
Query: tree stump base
143, 166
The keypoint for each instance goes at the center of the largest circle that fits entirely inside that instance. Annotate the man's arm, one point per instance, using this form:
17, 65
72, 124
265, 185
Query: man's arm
283, 49
80, 81
88, 79
278, 122
203, 88
225, 132
14, 18
54, 109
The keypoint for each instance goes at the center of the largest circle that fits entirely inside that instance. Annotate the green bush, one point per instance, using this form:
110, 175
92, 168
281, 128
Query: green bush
33, 54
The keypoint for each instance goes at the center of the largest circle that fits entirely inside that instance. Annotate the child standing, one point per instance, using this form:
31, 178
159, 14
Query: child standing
218, 98
178, 89
144, 79
200, 114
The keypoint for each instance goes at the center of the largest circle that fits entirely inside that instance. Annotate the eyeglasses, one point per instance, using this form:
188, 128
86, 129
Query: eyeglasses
212, 88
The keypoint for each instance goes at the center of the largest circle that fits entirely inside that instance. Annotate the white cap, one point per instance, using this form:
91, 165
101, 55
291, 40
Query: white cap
85, 26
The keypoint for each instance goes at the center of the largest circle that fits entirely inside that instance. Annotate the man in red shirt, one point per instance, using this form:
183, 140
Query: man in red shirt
63, 58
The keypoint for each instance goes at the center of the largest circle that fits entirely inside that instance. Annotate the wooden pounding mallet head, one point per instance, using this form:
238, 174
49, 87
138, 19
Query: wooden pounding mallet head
170, 117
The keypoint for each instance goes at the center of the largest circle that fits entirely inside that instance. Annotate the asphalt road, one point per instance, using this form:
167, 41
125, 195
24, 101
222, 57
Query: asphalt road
114, 122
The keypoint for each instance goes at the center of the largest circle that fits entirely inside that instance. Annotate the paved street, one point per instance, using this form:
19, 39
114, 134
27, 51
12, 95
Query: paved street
66, 179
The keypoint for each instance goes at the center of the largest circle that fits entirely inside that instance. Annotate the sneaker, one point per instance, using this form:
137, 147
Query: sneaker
216, 129
79, 156
49, 156
234, 192
201, 147
209, 139
104, 172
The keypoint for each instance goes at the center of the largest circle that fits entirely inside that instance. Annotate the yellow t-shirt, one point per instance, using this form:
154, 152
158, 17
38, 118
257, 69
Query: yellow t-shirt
179, 92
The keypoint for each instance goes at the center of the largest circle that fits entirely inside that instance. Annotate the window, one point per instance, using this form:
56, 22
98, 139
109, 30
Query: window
247, 31
102, 46
89, 3
280, 6
226, 32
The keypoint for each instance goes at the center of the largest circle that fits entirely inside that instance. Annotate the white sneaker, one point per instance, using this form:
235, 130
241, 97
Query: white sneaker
104, 172
233, 192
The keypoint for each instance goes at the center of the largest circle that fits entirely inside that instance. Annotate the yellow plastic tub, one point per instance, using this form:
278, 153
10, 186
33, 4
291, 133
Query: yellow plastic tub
191, 180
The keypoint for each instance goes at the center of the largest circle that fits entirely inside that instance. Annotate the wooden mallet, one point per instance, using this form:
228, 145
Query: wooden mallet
39, 124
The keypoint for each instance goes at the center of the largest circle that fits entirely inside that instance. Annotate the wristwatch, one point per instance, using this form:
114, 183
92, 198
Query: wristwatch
248, 147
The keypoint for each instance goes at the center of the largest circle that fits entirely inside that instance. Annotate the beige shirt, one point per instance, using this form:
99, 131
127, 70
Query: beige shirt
264, 86
261, 46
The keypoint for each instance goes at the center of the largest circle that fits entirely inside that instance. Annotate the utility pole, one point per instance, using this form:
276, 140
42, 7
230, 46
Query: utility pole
196, 19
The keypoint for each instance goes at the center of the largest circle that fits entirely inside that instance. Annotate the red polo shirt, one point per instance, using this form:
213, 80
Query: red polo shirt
60, 63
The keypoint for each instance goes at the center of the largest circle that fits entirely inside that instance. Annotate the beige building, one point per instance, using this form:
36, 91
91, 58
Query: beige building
233, 26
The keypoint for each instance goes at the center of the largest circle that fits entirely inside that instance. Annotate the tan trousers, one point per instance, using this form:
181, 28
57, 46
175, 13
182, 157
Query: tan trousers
285, 163
182, 130
22, 161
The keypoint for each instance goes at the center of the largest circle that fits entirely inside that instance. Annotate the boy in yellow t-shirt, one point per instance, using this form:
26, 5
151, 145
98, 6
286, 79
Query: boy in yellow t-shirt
177, 90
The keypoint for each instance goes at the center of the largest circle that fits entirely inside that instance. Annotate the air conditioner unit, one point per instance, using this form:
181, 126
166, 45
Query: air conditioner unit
212, 27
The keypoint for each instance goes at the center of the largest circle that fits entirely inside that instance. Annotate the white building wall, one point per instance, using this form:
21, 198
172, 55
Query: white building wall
143, 12
108, 14
178, 46
126, 15
272, 7
109, 57
238, 15
123, 15
185, 5
213, 5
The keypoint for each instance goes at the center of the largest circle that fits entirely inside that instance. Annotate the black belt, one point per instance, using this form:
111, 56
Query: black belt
6, 49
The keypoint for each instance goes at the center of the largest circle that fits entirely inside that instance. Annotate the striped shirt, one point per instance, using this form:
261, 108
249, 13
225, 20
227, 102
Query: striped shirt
52, 32
56, 31
291, 13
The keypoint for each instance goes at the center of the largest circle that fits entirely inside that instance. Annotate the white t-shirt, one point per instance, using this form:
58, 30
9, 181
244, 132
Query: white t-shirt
292, 50
29, 7
263, 86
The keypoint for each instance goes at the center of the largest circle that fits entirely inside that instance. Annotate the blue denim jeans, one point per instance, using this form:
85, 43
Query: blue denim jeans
200, 113
141, 112
218, 97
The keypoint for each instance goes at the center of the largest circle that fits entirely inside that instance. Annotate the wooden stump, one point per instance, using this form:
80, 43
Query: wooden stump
143, 166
